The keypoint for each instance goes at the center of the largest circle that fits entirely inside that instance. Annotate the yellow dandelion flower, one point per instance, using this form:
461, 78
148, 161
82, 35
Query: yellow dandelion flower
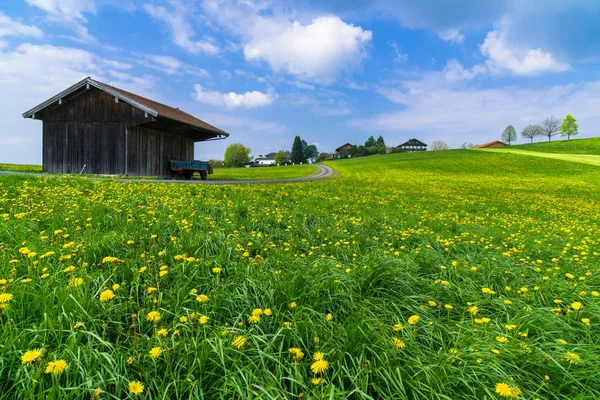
56, 367
501, 339
586, 321
320, 366
5, 297
97, 392
572, 358
399, 343
153, 316
448, 306
183, 319
397, 327
329, 317
473, 310
155, 352
257, 311
413, 320
162, 332
254, 319
202, 298
203, 320
31, 356
216, 270
297, 353
116, 287
506, 390
238, 341
318, 356
287, 324
136, 387
268, 312
316, 381
576, 306
293, 304
107, 295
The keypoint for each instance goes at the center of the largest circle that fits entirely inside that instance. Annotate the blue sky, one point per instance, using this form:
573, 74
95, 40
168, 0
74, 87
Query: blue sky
330, 71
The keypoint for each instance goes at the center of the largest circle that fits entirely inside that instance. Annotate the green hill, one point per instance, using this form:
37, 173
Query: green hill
436, 275
573, 146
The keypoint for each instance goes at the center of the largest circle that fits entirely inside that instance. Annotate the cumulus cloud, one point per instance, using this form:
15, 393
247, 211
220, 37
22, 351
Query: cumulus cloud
12, 27
232, 100
502, 57
171, 66
452, 35
315, 51
181, 30
455, 71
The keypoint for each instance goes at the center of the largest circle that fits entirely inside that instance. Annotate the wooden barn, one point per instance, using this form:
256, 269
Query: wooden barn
94, 128
413, 145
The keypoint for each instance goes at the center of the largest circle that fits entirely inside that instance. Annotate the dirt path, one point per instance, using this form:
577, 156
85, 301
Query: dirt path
579, 158
323, 173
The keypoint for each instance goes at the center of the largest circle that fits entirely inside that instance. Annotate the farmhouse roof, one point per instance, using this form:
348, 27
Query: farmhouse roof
342, 146
151, 107
413, 142
489, 144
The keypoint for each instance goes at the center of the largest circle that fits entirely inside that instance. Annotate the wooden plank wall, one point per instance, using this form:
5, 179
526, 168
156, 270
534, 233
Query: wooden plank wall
91, 129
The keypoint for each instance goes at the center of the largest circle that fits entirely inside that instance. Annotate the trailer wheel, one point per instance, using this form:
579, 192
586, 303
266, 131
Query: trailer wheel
188, 175
204, 175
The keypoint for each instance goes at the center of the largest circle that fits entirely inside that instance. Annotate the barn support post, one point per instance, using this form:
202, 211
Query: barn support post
126, 151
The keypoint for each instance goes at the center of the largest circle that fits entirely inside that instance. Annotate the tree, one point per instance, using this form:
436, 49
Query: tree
439, 145
322, 157
569, 127
380, 145
466, 145
236, 155
216, 163
509, 135
550, 127
370, 142
311, 152
297, 151
281, 158
531, 131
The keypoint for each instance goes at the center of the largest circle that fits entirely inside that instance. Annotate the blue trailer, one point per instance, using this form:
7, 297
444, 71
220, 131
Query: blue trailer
186, 169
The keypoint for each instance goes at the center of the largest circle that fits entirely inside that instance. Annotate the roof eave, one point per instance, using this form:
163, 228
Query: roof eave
79, 85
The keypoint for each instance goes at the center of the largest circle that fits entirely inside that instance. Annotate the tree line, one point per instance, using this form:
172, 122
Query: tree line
549, 127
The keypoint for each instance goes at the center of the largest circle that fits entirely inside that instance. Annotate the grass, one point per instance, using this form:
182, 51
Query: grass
493, 252
284, 172
590, 159
573, 146
21, 168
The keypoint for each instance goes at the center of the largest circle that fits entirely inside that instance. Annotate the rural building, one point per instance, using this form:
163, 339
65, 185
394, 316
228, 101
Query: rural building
269, 159
94, 128
495, 143
413, 145
344, 147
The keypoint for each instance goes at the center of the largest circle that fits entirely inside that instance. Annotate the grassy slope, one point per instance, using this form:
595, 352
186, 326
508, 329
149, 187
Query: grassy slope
573, 146
288, 171
590, 159
372, 248
21, 168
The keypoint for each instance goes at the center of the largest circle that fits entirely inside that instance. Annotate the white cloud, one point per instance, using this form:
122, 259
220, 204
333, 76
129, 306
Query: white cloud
247, 100
171, 65
12, 27
436, 111
454, 71
452, 35
69, 13
400, 56
502, 57
116, 64
316, 51
181, 30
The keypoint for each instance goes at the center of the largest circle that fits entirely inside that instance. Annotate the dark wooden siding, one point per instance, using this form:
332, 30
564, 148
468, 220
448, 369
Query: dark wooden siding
90, 129
150, 151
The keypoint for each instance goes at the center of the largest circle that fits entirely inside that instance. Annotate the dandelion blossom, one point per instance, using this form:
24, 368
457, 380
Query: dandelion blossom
5, 297
572, 358
316, 381
506, 390
238, 342
136, 387
320, 366
576, 306
155, 352
56, 367
398, 327
202, 298
399, 343
318, 356
203, 320
297, 353
31, 356
107, 295
254, 319
413, 320
153, 316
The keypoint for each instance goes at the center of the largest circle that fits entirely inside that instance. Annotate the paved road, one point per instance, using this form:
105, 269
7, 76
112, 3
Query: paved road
578, 158
323, 173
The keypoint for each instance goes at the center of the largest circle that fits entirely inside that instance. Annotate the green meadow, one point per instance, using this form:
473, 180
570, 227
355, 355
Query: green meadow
440, 275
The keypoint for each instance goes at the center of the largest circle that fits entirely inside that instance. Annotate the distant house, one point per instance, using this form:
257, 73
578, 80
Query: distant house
413, 145
495, 143
344, 150
269, 159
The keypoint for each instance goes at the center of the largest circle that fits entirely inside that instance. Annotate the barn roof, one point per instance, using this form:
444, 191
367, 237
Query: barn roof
342, 146
149, 106
483, 146
413, 142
